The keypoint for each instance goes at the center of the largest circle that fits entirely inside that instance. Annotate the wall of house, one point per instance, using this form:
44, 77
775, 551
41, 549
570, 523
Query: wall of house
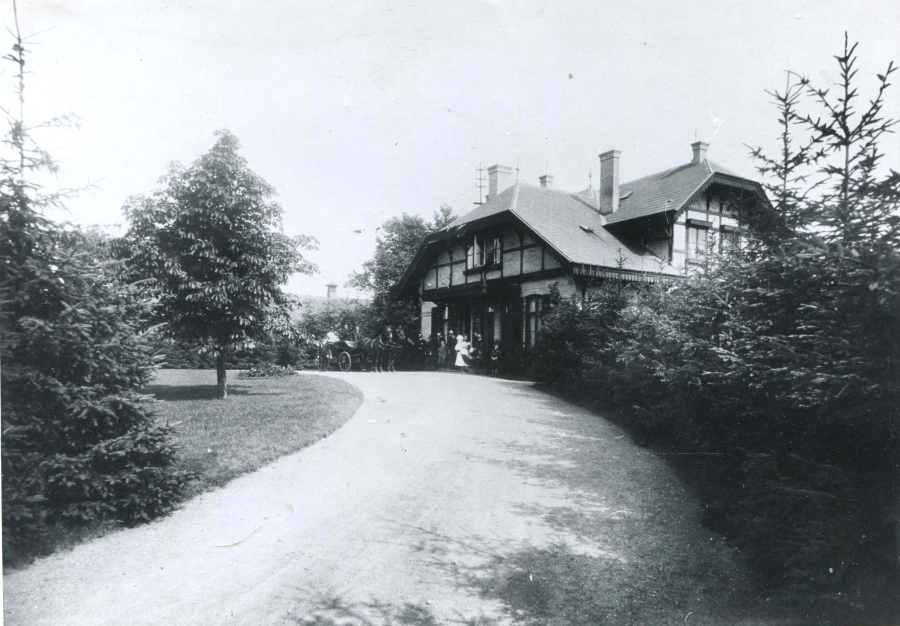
712, 209
520, 254
565, 284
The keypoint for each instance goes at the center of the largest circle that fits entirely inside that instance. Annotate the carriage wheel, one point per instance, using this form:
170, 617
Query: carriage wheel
345, 362
323, 362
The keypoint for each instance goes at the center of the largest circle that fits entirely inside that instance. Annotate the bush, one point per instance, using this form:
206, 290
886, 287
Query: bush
267, 371
802, 470
79, 445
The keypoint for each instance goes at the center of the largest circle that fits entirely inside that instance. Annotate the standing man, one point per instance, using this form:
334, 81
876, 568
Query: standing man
421, 352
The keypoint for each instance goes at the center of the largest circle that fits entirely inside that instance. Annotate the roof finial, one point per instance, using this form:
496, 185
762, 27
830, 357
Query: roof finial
591, 180
517, 169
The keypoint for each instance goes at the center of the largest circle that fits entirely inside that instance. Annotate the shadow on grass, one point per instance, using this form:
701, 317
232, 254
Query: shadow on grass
183, 393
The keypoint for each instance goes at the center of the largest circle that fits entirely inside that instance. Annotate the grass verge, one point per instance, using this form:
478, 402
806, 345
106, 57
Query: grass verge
262, 419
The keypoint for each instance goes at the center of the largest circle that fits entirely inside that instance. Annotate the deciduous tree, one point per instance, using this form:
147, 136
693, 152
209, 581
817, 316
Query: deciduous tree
396, 245
210, 249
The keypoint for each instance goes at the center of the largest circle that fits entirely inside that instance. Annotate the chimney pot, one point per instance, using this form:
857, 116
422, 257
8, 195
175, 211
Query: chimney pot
546, 181
609, 182
700, 148
498, 179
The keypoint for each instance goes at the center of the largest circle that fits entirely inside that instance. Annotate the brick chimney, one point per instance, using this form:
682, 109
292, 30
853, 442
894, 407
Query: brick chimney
498, 179
546, 181
700, 148
332, 290
609, 182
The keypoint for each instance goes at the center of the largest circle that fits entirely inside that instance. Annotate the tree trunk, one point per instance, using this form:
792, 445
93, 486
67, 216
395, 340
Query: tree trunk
221, 375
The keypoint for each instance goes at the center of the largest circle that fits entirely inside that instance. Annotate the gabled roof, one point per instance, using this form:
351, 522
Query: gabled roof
665, 191
569, 223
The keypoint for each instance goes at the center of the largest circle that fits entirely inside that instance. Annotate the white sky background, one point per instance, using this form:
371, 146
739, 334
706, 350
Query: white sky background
360, 111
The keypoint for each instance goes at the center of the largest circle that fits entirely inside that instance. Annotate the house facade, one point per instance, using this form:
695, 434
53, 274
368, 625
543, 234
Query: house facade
491, 271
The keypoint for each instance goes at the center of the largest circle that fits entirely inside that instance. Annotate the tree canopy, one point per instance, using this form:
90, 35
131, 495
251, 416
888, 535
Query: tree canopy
209, 248
396, 245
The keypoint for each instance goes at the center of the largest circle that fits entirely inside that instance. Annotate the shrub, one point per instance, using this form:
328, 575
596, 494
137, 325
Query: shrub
267, 371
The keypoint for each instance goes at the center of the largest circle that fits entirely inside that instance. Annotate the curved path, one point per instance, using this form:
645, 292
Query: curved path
445, 499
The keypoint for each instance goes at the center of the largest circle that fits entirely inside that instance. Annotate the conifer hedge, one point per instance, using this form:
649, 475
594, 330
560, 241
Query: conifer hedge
775, 371
79, 445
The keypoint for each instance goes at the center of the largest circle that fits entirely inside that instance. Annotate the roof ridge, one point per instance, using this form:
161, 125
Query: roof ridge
515, 199
671, 169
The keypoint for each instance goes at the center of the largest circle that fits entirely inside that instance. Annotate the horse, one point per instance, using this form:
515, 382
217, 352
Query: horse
381, 351
372, 350
400, 344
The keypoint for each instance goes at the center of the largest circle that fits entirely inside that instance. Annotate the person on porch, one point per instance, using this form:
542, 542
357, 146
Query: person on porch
495, 358
462, 352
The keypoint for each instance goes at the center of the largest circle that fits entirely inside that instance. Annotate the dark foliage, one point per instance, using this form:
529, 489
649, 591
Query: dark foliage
277, 351
775, 368
79, 445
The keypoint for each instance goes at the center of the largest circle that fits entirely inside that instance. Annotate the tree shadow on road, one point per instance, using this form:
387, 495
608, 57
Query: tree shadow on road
614, 539
334, 611
623, 539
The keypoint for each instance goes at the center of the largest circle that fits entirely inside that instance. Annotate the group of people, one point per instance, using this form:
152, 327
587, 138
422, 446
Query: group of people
457, 353
465, 355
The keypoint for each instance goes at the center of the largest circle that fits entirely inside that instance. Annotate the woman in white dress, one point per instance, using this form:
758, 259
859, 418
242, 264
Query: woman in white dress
462, 351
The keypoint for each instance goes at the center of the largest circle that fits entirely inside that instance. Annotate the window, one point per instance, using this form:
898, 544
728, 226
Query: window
730, 239
475, 254
484, 251
494, 251
535, 309
697, 238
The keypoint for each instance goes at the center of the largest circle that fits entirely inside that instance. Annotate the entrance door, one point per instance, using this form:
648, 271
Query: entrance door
511, 323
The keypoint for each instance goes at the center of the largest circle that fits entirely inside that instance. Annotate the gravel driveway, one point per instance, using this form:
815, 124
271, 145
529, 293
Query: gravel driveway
447, 498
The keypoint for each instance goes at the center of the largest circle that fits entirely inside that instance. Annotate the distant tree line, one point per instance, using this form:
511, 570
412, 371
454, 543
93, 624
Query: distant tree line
774, 372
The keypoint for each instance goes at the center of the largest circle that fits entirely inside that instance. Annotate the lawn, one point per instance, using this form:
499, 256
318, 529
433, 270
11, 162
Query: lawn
262, 419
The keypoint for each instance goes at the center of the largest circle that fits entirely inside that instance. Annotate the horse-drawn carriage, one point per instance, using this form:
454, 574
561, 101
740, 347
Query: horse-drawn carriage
369, 353
345, 354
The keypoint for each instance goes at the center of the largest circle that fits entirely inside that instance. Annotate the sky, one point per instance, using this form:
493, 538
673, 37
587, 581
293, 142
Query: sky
359, 111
